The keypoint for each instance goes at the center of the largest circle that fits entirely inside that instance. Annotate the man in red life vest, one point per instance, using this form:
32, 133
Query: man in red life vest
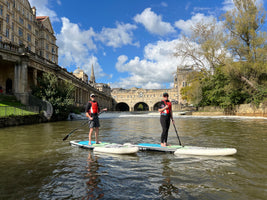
165, 110
92, 110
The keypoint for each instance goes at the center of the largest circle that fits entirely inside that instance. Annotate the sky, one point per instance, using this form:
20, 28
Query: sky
130, 43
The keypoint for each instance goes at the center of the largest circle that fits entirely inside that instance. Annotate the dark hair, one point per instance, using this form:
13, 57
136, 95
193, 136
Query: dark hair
165, 94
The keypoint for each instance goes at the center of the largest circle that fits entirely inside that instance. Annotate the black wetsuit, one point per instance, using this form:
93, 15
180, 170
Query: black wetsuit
165, 120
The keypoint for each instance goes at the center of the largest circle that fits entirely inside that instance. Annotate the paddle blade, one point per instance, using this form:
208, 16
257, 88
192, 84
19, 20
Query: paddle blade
65, 137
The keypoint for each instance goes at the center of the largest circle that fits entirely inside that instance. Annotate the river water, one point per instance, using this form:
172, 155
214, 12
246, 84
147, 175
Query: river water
37, 164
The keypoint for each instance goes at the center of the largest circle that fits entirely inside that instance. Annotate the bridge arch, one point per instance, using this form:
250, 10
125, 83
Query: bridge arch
141, 106
156, 106
122, 107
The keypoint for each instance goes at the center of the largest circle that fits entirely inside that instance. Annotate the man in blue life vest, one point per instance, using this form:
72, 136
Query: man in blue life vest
165, 110
92, 110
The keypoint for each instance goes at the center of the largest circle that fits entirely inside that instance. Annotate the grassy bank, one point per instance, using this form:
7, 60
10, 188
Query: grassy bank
9, 106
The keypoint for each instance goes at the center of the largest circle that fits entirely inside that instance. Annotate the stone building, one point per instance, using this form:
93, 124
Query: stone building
20, 26
79, 73
28, 49
102, 87
181, 79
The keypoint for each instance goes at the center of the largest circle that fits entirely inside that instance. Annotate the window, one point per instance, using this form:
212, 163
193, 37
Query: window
29, 37
20, 32
12, 38
7, 32
29, 27
7, 19
8, 5
21, 20
1, 26
0, 38
47, 47
1, 10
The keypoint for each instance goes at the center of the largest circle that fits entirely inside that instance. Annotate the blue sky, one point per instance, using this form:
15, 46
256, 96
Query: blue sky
129, 42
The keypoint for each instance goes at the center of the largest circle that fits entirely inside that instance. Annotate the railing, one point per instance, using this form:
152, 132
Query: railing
21, 110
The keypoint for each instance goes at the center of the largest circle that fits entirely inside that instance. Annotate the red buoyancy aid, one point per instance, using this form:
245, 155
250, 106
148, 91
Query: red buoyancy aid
168, 110
94, 108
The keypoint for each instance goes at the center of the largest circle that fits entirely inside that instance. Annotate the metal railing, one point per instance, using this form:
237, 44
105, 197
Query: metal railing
6, 111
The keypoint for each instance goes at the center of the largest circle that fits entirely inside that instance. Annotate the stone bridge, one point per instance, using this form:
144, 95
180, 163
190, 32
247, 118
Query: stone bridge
136, 99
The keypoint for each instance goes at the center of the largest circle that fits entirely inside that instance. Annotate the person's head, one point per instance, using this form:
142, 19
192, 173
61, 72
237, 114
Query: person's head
92, 96
165, 95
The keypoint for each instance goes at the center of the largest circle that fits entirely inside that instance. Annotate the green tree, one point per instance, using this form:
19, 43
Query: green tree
247, 69
58, 92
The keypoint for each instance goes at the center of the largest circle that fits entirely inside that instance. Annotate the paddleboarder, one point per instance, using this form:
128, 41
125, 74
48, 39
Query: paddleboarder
92, 110
165, 110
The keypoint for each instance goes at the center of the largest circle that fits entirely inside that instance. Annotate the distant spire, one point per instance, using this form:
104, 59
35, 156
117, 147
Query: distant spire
92, 77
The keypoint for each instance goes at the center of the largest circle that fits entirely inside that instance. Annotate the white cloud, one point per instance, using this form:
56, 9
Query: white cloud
42, 9
164, 4
75, 46
186, 26
153, 22
154, 71
119, 36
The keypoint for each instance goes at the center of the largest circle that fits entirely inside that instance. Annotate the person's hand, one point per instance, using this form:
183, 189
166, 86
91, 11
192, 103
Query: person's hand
172, 121
105, 109
91, 118
166, 107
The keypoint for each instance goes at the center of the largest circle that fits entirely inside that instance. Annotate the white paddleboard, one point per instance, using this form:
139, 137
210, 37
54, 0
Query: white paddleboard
117, 149
205, 151
188, 150
105, 147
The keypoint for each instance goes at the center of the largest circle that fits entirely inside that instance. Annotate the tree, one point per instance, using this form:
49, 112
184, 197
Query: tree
248, 45
58, 92
204, 48
232, 57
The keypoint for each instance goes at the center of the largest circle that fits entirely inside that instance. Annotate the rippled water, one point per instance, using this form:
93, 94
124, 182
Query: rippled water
37, 164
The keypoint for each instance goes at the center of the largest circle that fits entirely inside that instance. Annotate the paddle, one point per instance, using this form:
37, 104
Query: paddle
77, 128
177, 134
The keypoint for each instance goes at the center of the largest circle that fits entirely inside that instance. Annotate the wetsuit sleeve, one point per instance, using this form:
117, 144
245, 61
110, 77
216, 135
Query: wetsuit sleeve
88, 107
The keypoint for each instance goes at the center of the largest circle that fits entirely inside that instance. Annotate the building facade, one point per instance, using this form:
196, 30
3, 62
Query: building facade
20, 26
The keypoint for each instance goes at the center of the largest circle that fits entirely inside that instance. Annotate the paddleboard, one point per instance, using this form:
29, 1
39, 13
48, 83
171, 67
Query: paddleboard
105, 147
188, 150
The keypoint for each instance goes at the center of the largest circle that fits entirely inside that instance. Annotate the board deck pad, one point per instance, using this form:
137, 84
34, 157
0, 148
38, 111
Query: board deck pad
158, 147
84, 144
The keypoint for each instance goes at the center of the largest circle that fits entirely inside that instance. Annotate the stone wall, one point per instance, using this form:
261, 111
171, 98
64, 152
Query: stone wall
239, 110
21, 120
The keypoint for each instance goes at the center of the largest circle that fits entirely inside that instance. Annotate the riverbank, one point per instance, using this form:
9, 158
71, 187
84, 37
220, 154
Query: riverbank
22, 120
39, 118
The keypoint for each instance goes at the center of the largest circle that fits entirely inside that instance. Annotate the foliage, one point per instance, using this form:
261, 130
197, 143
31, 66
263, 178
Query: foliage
233, 60
58, 92
192, 92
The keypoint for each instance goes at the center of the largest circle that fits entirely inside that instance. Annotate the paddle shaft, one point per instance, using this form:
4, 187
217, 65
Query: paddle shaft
177, 134
66, 137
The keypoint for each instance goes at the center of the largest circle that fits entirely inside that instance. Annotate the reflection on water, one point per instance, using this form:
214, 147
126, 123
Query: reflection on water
167, 188
94, 190
37, 164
